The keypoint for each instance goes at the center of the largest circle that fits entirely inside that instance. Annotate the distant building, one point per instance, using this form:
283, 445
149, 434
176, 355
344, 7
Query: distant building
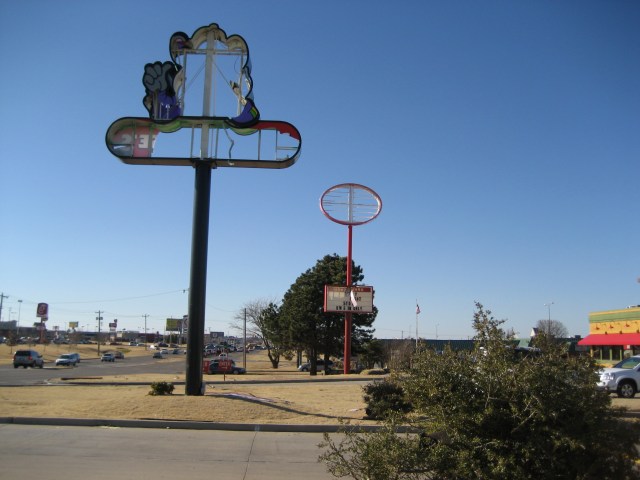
9, 326
613, 334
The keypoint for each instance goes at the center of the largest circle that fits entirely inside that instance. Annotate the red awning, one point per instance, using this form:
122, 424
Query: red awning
611, 339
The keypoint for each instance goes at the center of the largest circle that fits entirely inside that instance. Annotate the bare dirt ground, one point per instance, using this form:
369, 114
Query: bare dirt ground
311, 400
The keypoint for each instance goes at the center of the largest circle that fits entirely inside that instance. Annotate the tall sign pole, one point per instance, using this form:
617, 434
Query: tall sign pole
207, 141
198, 278
350, 204
347, 316
200, 237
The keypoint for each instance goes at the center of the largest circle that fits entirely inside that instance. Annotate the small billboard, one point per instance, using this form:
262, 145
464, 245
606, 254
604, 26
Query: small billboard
42, 310
175, 324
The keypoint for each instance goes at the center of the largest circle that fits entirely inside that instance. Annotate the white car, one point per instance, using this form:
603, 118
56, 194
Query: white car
67, 360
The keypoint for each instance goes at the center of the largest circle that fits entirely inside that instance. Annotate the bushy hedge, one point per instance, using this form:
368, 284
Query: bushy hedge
161, 388
385, 398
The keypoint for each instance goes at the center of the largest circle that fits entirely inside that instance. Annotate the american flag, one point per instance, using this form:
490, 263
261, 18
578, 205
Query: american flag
417, 309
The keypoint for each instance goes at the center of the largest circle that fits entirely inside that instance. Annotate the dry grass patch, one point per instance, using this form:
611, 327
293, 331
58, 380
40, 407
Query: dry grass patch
305, 403
314, 400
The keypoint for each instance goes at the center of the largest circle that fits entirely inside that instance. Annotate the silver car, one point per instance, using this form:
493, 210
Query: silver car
107, 357
76, 356
67, 360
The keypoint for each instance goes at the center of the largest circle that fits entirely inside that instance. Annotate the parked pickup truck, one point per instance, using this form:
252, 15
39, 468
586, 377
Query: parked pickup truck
623, 378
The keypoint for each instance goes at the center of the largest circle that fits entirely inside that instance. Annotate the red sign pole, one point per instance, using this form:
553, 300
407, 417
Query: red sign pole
350, 204
347, 316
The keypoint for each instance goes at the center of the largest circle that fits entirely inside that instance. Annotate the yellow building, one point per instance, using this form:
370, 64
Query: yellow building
614, 334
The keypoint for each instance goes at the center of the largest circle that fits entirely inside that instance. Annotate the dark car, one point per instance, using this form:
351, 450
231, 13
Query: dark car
305, 367
27, 358
224, 365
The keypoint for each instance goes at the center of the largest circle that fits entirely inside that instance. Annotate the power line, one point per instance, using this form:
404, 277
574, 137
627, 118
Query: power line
123, 298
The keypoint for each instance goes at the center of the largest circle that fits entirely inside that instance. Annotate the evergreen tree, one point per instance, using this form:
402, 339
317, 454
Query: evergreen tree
309, 328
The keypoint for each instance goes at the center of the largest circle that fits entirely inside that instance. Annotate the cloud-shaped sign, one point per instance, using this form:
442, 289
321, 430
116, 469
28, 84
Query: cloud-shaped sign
212, 72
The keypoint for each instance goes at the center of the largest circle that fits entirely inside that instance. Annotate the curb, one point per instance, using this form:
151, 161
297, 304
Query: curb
187, 425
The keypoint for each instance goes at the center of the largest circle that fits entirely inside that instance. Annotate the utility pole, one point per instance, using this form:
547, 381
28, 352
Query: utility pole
19, 310
2, 297
145, 330
99, 319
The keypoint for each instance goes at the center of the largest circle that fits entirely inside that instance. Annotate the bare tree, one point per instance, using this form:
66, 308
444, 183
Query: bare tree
552, 328
260, 315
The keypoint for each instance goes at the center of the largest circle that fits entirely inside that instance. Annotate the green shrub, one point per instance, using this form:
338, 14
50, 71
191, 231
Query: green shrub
375, 371
161, 388
385, 398
488, 414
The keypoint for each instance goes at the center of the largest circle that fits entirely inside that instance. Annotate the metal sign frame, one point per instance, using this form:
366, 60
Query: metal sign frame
137, 141
350, 204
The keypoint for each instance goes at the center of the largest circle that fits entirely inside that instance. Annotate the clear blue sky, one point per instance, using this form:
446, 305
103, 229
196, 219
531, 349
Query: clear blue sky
503, 138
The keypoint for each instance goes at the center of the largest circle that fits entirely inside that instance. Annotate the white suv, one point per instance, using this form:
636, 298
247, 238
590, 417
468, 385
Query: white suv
67, 360
623, 378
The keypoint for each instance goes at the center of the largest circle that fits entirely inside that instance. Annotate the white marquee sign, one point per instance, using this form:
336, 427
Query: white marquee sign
356, 299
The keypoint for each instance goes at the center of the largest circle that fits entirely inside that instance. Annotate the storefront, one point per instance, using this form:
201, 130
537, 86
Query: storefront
613, 334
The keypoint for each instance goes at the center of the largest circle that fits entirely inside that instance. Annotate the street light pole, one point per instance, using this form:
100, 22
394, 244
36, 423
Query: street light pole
548, 305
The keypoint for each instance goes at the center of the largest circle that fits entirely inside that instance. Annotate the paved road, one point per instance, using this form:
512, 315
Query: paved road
78, 453
91, 367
